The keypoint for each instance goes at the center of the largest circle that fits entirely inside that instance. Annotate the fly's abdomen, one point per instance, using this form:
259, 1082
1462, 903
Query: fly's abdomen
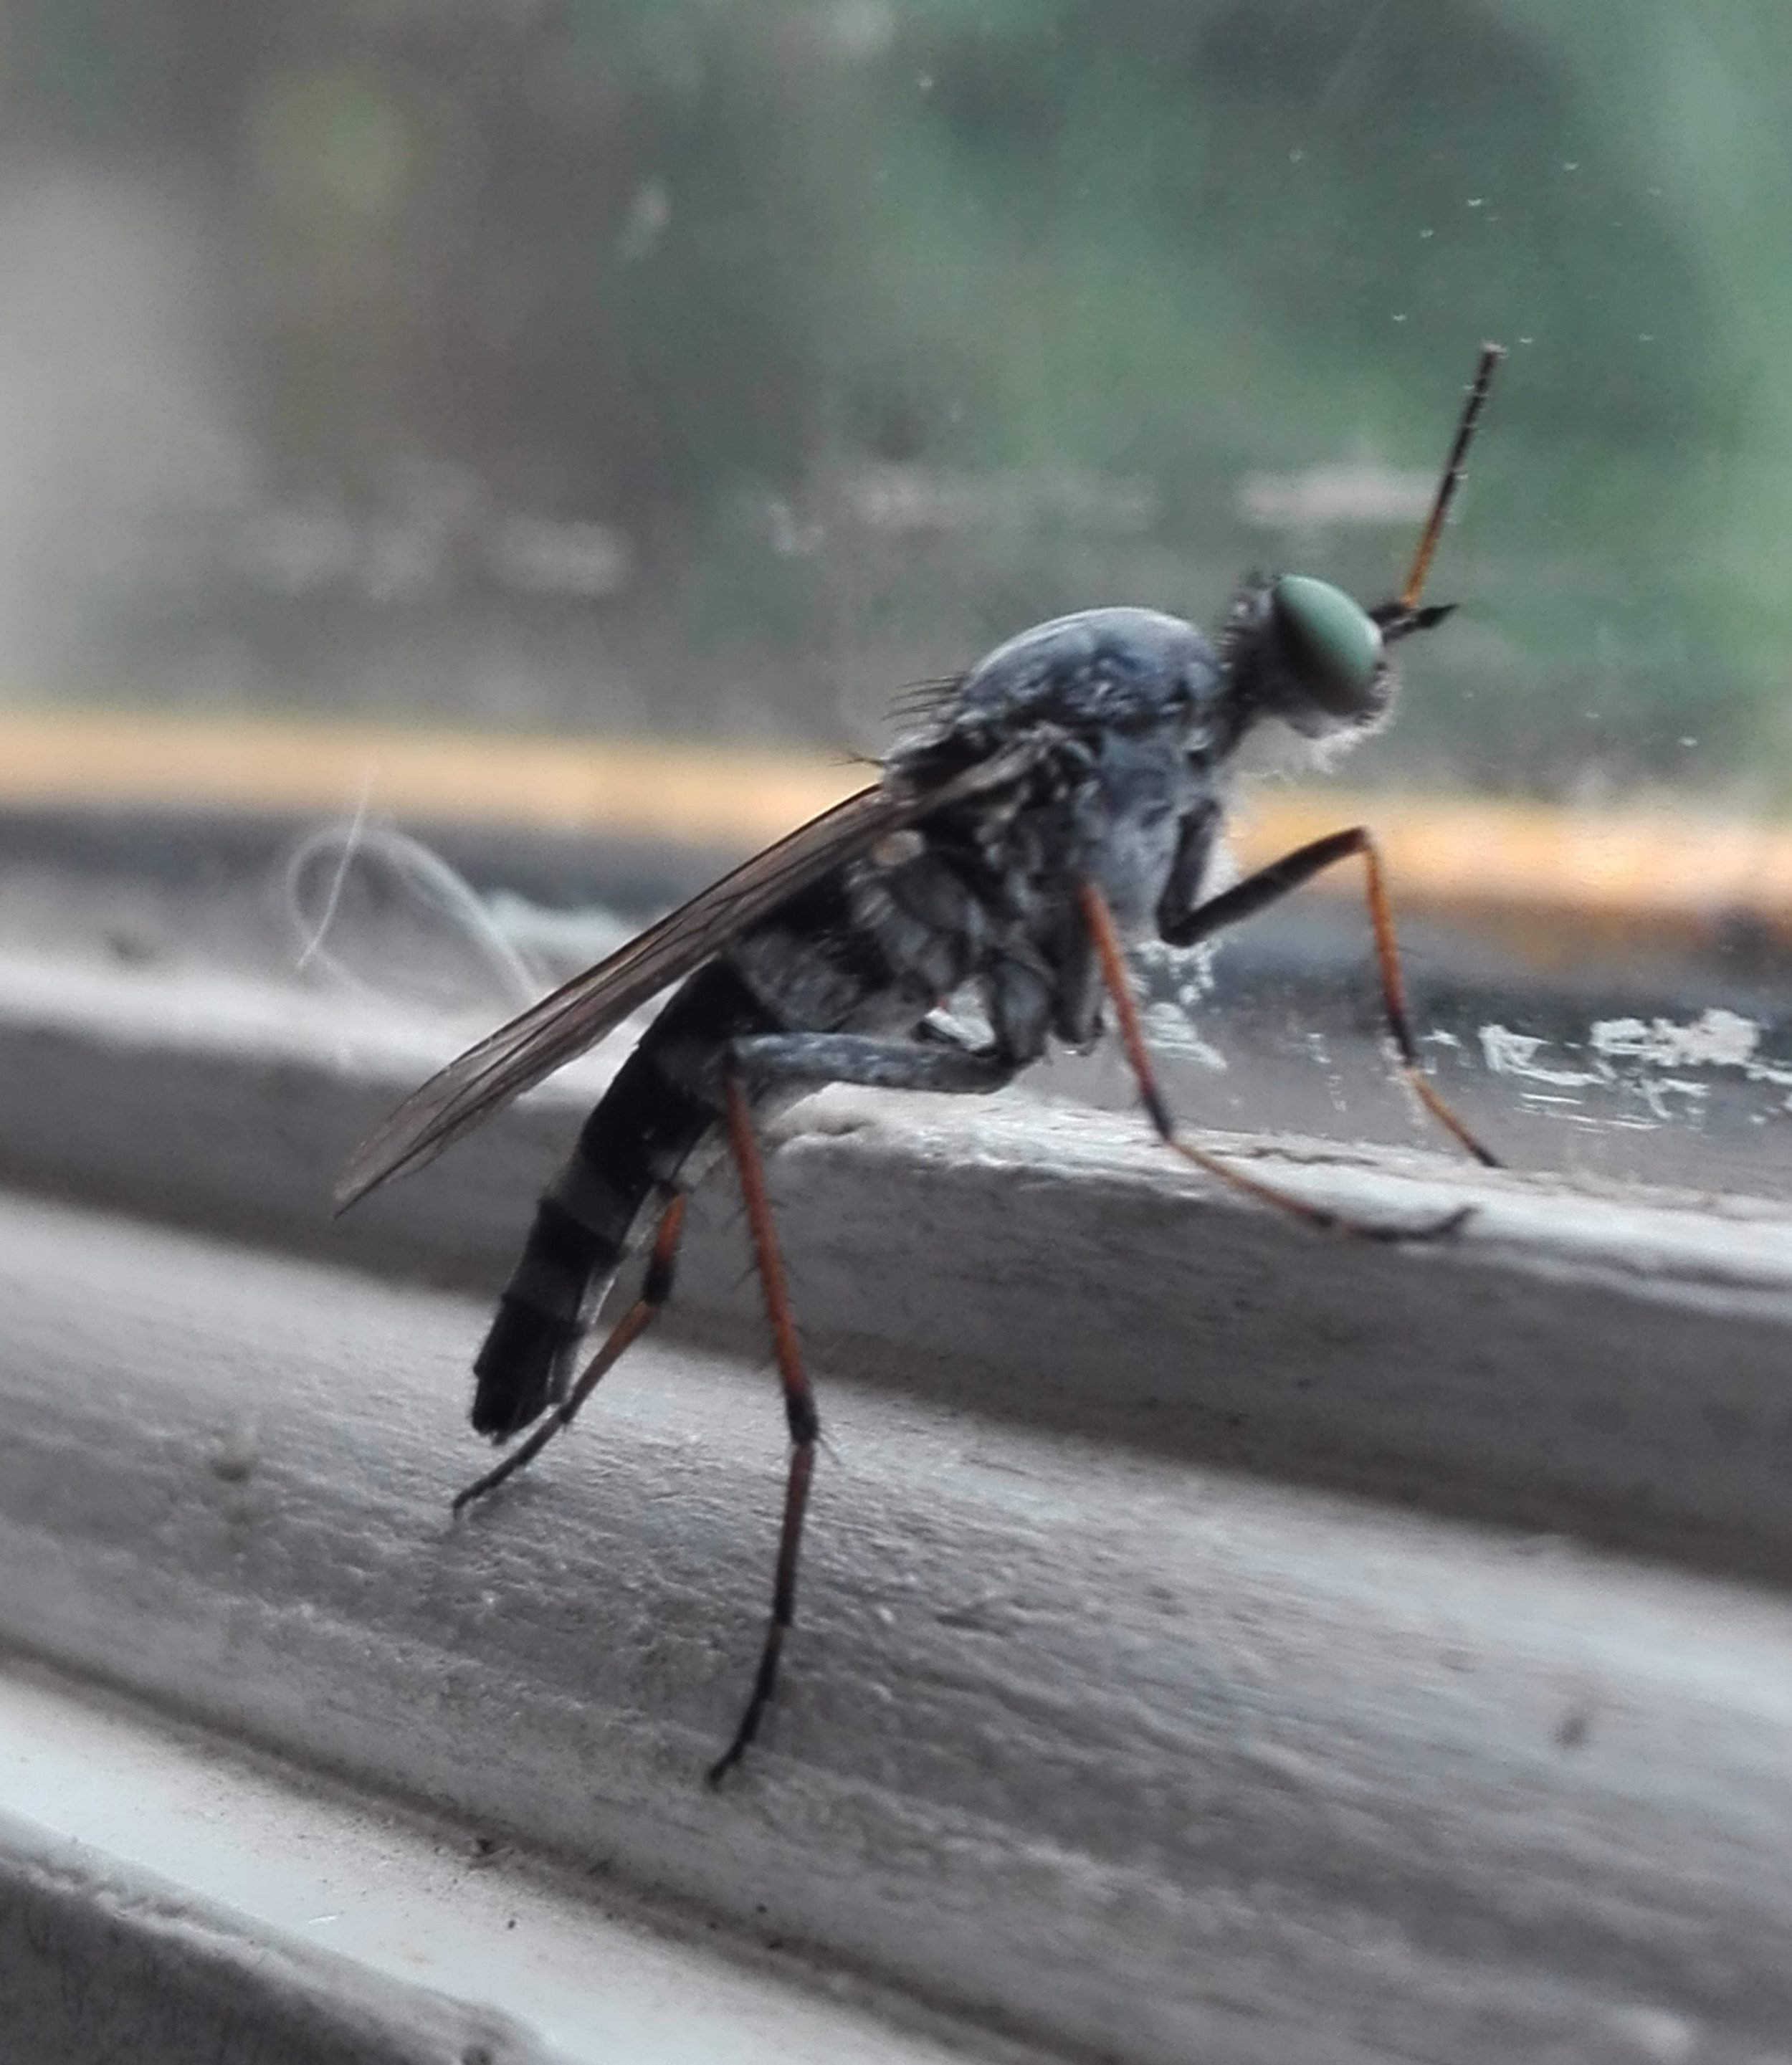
663, 1102
520, 1370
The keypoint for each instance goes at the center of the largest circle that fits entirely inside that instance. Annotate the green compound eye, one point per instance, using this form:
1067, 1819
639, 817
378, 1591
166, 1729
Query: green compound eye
1333, 644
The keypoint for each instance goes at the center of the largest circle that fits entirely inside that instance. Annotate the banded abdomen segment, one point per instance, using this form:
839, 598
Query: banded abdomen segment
663, 1102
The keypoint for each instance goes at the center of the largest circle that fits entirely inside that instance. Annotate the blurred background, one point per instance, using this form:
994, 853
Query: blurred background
573, 373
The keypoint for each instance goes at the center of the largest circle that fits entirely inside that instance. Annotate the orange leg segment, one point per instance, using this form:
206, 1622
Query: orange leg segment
1257, 892
799, 1411
1112, 959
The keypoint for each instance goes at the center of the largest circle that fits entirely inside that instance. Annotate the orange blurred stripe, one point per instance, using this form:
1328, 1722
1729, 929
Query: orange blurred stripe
688, 795
1663, 869
1657, 868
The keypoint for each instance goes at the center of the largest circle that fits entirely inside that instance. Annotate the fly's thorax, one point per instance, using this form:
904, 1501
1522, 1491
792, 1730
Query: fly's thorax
924, 913
1126, 817
1096, 670
869, 948
791, 976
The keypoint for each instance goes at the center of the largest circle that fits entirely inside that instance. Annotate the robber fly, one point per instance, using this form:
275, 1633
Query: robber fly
1061, 799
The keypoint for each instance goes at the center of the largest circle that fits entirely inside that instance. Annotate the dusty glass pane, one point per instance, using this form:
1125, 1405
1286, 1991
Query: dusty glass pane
606, 373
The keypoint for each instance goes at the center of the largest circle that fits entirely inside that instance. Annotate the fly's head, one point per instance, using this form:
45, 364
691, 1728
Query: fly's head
1305, 652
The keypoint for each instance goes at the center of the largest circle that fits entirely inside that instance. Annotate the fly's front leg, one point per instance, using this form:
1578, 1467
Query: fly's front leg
1257, 892
1100, 922
655, 1288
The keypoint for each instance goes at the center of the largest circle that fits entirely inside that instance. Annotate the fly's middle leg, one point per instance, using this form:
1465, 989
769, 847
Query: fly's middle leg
940, 1062
655, 1288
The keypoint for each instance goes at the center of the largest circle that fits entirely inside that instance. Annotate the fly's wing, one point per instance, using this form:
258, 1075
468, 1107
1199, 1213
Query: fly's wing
577, 1014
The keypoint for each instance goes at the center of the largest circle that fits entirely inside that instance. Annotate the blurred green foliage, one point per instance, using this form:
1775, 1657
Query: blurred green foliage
690, 269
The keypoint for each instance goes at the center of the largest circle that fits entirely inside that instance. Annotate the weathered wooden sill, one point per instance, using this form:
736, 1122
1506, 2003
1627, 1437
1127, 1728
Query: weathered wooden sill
1205, 1648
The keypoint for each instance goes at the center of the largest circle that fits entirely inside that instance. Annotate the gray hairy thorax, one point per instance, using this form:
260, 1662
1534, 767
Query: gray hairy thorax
1129, 709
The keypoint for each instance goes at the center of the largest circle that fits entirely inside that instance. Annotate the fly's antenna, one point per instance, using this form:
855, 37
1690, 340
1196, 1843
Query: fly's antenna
1491, 356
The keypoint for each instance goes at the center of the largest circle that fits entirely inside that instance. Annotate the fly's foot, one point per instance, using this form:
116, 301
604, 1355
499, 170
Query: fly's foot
511, 1463
478, 1489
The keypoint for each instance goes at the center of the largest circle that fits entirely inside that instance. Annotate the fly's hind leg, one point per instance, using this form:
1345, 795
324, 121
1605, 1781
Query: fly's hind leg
765, 1059
1101, 931
655, 1288
799, 1413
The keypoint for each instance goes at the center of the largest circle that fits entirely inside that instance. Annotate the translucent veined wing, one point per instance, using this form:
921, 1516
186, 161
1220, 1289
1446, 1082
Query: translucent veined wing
578, 1014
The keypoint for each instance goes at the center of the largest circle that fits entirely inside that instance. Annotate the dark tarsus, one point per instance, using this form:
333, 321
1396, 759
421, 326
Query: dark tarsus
1061, 800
